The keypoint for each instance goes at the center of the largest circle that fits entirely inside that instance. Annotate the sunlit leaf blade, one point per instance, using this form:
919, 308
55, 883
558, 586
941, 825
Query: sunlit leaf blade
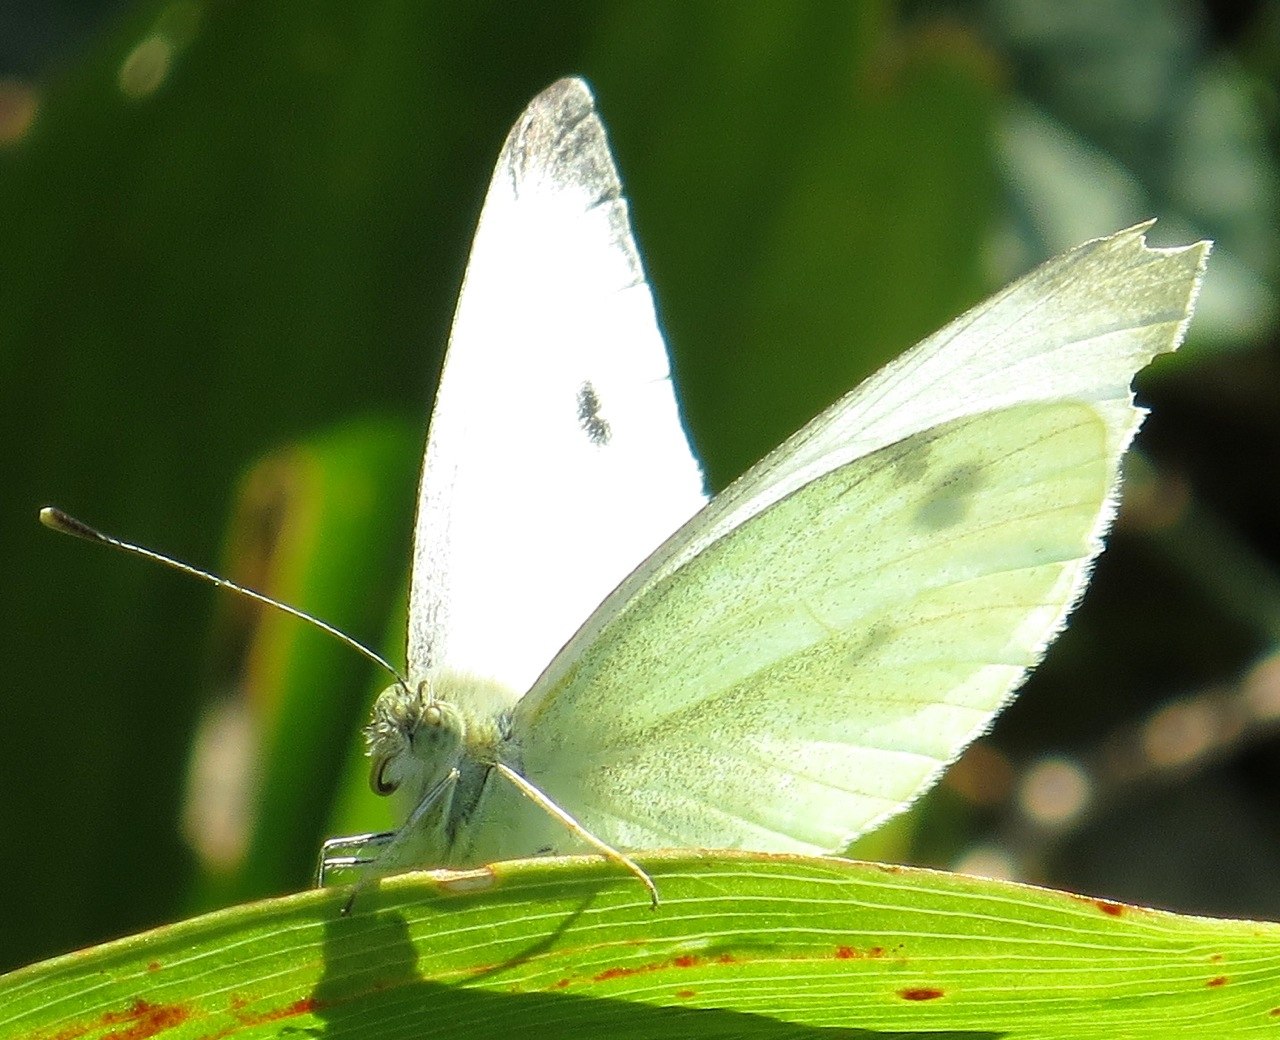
742, 945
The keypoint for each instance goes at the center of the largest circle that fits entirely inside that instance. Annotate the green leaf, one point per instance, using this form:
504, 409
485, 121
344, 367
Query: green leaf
742, 945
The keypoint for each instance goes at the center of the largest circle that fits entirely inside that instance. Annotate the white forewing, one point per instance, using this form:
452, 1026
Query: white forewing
556, 460
803, 657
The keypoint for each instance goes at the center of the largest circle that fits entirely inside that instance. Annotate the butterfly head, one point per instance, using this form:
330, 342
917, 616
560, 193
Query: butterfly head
415, 738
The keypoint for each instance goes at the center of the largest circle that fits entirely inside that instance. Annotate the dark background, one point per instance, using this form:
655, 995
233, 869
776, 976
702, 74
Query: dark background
230, 239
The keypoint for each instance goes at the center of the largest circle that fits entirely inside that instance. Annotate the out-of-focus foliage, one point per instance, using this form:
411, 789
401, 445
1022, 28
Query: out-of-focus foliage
232, 230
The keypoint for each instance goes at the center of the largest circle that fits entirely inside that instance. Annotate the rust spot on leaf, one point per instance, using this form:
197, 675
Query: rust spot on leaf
153, 966
852, 953
684, 960
1109, 908
305, 1006
920, 993
1215, 958
1219, 980
143, 1020
684, 994
616, 973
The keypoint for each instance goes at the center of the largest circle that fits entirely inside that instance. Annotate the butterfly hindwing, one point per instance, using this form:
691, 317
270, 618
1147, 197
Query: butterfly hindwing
747, 685
808, 674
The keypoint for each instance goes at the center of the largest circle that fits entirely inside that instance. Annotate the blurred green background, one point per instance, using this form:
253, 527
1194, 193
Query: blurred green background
231, 235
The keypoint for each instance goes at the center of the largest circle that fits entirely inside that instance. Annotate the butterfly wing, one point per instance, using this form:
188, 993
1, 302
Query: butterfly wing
804, 657
556, 459
1077, 327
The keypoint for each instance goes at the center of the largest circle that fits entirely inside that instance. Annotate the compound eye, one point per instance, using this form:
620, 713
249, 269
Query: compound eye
378, 780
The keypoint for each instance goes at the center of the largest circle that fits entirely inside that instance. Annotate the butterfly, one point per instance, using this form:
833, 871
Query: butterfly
599, 657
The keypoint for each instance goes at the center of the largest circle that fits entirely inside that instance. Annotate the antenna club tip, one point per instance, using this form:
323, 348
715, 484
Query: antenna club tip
64, 523
51, 516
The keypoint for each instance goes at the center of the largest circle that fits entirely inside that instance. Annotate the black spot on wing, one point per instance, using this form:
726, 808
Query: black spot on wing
592, 422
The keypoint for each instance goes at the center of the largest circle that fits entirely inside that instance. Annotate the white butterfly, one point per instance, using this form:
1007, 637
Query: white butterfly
805, 654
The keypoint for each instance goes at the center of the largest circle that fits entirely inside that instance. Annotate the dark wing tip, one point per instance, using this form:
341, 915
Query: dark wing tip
559, 139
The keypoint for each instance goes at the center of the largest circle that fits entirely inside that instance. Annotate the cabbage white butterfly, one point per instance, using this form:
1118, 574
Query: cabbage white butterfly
802, 658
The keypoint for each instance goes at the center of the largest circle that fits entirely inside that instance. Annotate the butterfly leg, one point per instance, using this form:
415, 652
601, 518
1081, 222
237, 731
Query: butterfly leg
349, 851
574, 827
398, 840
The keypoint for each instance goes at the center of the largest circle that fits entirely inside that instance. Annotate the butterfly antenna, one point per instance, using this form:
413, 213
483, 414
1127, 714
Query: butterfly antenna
56, 520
